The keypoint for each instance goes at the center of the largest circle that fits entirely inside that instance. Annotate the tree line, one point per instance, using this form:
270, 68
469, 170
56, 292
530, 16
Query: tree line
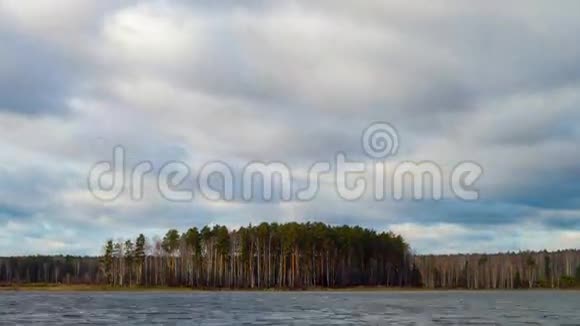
291, 256
543, 269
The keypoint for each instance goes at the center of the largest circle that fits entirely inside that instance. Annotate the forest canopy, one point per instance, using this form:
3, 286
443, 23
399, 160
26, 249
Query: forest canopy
291, 256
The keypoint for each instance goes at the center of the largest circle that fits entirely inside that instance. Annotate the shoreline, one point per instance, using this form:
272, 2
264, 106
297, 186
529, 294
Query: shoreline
142, 289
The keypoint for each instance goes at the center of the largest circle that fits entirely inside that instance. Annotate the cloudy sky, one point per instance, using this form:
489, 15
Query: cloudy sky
494, 82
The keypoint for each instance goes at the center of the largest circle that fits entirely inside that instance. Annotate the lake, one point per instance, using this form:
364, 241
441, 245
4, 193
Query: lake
291, 308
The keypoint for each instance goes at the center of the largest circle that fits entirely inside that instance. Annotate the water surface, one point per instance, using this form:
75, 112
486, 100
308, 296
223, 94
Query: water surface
291, 308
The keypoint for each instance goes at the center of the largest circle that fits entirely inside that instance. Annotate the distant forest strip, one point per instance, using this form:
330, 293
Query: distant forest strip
291, 256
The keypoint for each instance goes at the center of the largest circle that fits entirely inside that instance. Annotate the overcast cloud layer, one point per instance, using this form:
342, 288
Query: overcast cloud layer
493, 82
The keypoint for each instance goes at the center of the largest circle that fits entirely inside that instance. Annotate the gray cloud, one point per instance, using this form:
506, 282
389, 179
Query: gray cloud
491, 82
34, 79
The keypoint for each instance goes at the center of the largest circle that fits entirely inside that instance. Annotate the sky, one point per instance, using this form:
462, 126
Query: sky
494, 82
